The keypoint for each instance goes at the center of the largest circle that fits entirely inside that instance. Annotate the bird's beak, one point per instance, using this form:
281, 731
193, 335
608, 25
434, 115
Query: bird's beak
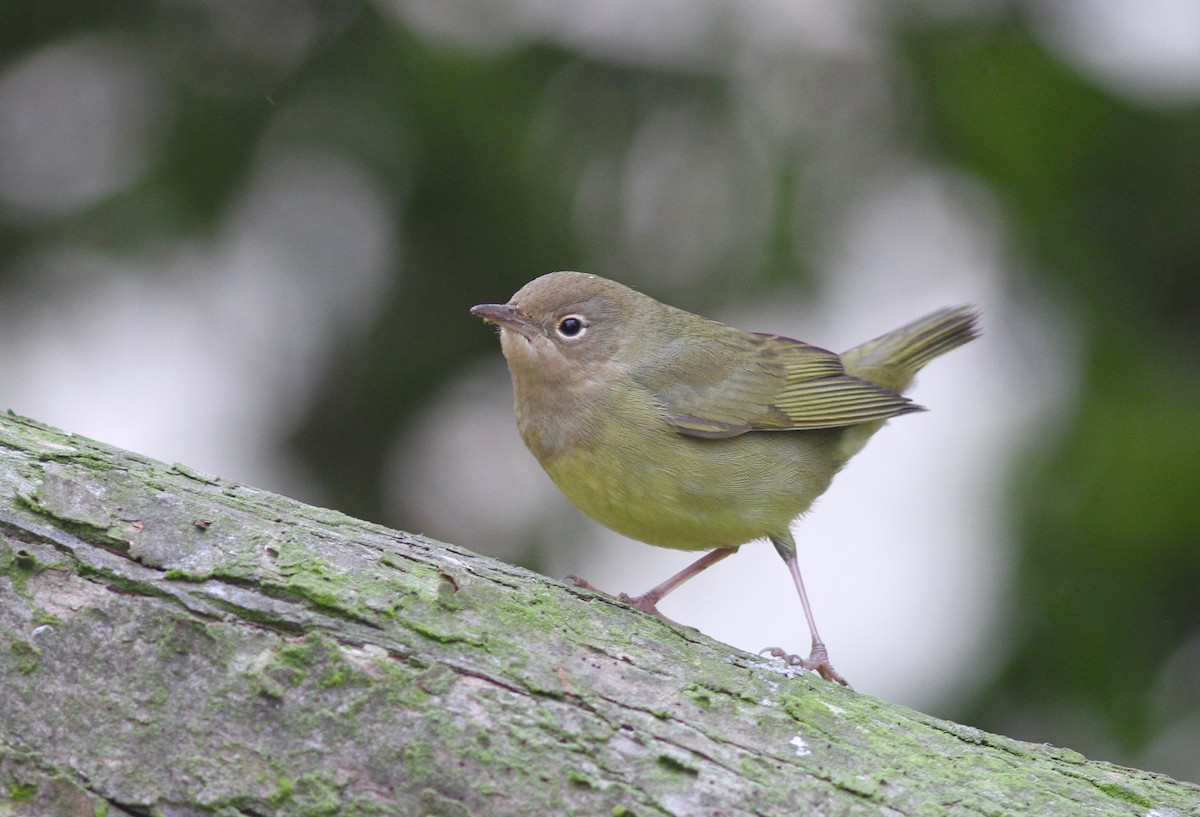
506, 316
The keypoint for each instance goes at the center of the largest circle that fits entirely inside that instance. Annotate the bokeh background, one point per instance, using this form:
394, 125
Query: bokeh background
244, 236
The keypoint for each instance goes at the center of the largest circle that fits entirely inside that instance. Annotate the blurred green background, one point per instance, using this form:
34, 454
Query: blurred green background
245, 236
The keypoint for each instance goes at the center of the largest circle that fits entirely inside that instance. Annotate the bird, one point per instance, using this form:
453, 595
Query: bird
686, 433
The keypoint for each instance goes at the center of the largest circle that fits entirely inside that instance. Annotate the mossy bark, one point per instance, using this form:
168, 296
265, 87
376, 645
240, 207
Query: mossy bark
175, 644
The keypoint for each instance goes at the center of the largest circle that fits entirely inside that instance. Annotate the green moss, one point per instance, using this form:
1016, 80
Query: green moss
309, 575
121, 583
677, 765
419, 759
322, 657
282, 792
41, 617
322, 588
577, 778
303, 653
16, 579
266, 618
443, 637
335, 678
317, 660
25, 656
70, 509
17, 564
436, 804
1068, 755
288, 675
314, 796
447, 593
178, 637
758, 769
265, 683
21, 792
801, 705
396, 562
191, 473
1122, 793
699, 694
436, 679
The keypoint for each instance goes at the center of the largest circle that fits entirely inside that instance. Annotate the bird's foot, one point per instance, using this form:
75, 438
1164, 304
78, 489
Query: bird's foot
817, 661
646, 603
582, 584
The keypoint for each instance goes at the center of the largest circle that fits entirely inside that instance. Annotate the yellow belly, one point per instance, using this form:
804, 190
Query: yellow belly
694, 494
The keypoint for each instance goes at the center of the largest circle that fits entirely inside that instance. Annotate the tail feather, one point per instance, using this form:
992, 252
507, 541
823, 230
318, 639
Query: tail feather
893, 359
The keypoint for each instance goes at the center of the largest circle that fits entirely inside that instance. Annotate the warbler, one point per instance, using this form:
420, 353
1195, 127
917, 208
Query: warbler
683, 432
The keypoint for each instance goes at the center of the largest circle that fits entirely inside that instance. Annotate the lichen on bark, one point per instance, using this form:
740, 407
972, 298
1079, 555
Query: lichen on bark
175, 644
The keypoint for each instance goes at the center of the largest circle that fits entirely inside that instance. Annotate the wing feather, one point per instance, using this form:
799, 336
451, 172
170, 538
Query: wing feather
738, 382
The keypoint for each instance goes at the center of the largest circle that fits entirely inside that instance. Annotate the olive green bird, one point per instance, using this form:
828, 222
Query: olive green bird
685, 433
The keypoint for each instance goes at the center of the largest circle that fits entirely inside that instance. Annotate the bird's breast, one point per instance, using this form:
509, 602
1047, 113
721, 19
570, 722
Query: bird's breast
621, 464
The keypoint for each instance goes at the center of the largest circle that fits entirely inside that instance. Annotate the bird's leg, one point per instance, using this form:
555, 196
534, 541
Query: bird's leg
648, 601
818, 659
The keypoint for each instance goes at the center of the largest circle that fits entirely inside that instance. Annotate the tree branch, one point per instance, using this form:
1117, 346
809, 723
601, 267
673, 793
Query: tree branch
175, 644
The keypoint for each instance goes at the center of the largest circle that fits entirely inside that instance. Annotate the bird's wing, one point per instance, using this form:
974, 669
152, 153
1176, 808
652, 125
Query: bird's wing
740, 382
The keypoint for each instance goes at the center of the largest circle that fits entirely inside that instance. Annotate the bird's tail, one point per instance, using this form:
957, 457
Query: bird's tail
893, 359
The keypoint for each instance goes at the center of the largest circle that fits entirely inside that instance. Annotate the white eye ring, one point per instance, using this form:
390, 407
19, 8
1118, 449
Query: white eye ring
571, 327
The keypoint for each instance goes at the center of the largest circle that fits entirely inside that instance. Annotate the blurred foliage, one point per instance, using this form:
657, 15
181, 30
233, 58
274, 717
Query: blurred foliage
1103, 198
478, 210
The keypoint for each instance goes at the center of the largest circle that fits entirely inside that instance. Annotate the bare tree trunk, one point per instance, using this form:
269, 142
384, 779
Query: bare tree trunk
174, 644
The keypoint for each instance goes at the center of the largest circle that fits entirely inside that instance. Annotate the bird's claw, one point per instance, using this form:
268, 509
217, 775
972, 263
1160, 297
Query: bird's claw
582, 584
817, 661
640, 603
646, 603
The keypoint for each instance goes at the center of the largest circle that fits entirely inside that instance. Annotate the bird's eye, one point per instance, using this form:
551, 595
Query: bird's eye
571, 326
